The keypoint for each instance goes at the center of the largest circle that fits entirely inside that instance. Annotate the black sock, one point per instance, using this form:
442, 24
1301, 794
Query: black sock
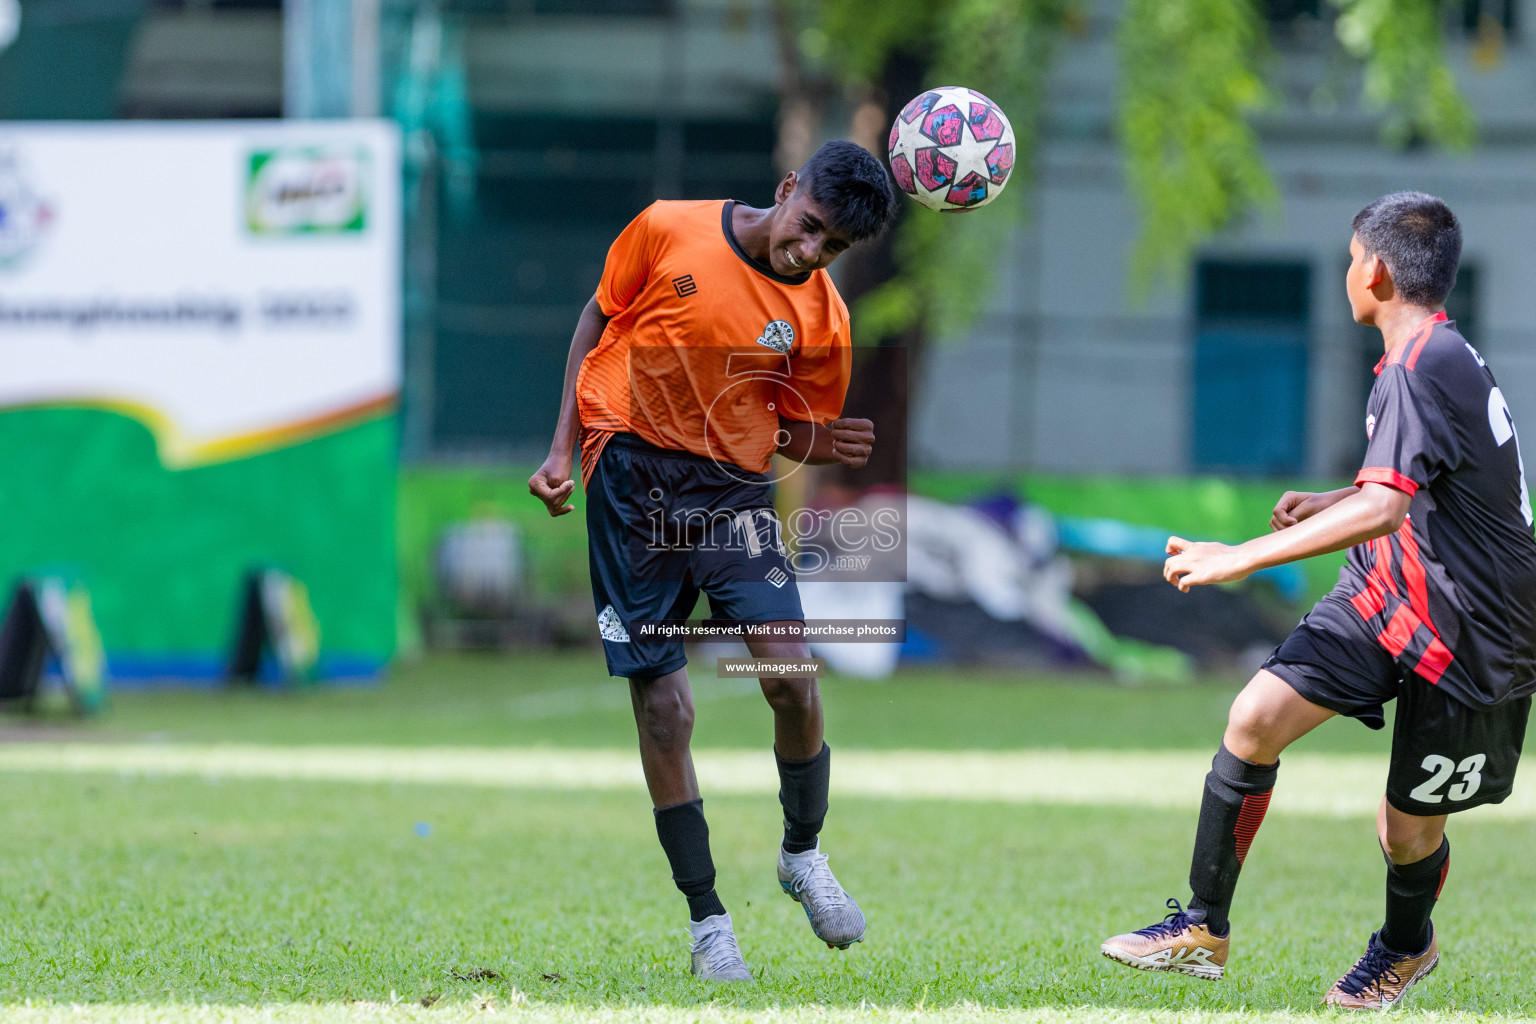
1236, 796
684, 836
1412, 890
803, 795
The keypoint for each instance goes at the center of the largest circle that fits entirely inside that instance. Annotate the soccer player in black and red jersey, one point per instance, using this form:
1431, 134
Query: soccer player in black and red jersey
1435, 607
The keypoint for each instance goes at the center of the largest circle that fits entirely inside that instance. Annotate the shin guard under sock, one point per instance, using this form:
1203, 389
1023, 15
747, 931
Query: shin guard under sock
803, 795
1236, 797
684, 836
1412, 890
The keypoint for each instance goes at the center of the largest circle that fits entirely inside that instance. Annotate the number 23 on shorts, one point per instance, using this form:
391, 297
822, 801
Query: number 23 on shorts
1441, 769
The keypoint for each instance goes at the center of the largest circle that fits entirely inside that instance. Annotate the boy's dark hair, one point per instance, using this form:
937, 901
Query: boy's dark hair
1419, 239
845, 179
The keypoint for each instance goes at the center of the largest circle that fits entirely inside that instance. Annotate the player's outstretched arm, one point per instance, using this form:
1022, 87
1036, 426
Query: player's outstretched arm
1294, 506
552, 483
1373, 510
849, 441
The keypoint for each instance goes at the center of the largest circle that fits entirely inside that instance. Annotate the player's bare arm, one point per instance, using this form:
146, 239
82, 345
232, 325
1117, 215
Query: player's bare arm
1373, 510
848, 441
551, 483
1294, 506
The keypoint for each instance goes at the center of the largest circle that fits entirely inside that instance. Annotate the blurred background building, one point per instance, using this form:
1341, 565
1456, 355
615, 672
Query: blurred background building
533, 130
537, 128
1256, 366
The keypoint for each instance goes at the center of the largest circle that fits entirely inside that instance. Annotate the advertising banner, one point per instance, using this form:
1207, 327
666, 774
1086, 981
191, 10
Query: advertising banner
199, 365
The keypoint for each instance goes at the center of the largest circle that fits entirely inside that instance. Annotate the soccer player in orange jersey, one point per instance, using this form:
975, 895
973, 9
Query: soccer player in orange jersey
716, 339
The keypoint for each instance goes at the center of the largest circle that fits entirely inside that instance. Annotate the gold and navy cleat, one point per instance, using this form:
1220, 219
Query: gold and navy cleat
1176, 943
1381, 978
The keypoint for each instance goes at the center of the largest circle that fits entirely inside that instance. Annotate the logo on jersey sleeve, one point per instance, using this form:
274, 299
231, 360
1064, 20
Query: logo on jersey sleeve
779, 336
1370, 427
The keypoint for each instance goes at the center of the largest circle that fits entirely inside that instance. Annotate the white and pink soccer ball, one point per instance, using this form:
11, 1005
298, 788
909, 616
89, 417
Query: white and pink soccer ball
951, 149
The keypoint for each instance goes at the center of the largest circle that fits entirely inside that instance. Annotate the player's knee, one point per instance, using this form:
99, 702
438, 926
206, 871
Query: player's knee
791, 696
1399, 849
669, 724
1251, 730
666, 714
1407, 840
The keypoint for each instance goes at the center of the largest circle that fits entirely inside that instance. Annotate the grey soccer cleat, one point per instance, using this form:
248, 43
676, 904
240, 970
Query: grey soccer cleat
714, 955
834, 917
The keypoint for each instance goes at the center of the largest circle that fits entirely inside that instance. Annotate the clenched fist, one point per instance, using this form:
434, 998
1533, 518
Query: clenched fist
852, 441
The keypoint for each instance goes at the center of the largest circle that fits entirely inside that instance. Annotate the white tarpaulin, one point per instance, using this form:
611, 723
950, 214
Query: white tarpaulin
232, 285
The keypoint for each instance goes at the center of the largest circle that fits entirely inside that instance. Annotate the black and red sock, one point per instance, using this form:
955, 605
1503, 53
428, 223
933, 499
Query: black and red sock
1412, 890
684, 836
1236, 797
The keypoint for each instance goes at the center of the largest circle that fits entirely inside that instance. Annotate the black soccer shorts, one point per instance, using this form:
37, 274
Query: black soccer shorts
663, 525
1446, 756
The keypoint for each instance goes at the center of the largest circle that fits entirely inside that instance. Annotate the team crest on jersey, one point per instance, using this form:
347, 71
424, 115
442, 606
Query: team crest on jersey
779, 336
611, 626
1370, 427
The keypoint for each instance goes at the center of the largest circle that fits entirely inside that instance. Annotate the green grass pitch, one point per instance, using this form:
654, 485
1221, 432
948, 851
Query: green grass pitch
181, 895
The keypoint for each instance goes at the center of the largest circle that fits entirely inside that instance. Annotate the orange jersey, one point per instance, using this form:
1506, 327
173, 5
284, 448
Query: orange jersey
705, 348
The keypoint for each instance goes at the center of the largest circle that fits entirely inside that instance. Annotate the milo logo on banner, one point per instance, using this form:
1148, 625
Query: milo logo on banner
317, 190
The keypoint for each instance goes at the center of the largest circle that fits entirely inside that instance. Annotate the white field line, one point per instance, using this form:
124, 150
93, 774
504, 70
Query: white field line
579, 700
512, 1006
1330, 785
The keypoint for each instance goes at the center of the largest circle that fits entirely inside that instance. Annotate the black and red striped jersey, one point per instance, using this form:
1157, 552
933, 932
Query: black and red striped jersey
1452, 594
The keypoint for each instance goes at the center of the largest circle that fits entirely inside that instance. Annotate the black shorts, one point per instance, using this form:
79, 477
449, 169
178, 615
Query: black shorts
1446, 756
663, 525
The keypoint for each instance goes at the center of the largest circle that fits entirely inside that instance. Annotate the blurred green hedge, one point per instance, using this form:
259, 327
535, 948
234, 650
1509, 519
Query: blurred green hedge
1202, 508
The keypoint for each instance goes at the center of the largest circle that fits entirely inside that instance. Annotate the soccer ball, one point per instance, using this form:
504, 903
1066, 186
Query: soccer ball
951, 149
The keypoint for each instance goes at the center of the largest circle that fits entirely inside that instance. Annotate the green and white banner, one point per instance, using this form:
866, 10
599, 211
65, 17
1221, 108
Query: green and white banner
199, 365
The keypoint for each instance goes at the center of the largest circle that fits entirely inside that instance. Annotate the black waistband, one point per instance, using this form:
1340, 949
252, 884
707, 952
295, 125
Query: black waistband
636, 443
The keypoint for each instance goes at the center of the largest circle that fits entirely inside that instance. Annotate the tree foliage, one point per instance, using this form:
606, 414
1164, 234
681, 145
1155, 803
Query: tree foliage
1405, 68
1191, 79
1002, 49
